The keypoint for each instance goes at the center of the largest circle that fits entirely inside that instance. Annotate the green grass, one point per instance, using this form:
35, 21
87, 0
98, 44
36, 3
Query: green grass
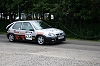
82, 39
2, 32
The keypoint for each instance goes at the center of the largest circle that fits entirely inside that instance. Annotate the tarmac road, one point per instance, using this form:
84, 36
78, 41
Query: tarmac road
68, 53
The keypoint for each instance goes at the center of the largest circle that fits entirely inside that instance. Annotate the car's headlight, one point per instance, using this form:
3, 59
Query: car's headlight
64, 33
51, 34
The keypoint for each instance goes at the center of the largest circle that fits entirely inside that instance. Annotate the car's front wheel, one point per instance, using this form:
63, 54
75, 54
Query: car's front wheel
11, 37
41, 40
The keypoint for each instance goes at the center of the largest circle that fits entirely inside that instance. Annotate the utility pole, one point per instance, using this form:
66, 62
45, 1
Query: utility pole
19, 12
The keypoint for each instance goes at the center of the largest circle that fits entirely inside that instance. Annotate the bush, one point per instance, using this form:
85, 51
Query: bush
90, 31
3, 24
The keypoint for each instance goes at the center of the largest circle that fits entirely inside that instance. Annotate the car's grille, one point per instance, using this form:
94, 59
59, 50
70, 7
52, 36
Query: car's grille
59, 34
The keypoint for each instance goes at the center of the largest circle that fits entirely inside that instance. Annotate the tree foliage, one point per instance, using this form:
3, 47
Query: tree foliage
84, 9
76, 15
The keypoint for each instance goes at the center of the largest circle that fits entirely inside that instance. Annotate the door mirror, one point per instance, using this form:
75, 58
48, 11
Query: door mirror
31, 29
18, 28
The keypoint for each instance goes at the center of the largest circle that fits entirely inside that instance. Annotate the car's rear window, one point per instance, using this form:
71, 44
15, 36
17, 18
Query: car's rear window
8, 26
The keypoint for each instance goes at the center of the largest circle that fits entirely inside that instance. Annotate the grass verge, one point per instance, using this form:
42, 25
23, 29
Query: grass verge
2, 32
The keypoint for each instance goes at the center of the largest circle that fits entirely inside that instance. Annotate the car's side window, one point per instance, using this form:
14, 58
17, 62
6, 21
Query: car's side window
17, 25
26, 26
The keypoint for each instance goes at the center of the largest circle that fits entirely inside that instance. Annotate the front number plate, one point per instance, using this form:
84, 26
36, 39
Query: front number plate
60, 37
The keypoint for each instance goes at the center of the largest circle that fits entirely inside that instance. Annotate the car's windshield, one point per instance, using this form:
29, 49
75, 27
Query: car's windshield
40, 25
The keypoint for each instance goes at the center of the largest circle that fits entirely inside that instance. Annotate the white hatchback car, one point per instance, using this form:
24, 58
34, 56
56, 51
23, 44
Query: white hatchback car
34, 30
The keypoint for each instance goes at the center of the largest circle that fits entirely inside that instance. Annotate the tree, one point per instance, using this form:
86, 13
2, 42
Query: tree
86, 10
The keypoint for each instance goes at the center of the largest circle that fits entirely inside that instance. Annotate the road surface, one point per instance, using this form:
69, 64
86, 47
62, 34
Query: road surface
68, 53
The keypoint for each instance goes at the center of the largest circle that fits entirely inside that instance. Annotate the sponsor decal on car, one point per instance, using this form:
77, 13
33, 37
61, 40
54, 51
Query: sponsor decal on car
42, 33
16, 31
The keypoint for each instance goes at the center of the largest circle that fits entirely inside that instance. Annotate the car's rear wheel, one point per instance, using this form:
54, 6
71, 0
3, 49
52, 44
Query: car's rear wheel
11, 37
41, 40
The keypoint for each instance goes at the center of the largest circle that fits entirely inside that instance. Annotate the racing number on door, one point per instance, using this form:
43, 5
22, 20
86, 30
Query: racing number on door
28, 35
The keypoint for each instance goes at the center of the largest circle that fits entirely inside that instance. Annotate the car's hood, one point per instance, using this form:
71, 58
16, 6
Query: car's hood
52, 30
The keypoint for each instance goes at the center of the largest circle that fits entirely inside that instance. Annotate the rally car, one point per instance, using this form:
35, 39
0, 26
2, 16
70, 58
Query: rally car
34, 30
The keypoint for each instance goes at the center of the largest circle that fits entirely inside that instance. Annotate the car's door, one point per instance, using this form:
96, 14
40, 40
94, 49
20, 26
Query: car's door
16, 28
27, 30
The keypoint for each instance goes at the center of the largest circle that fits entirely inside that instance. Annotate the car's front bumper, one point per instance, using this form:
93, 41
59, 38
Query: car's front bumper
55, 39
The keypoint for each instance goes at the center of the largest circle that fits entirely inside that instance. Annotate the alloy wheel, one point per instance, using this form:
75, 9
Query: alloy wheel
11, 38
41, 40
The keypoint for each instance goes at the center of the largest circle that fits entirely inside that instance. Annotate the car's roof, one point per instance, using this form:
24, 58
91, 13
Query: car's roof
29, 21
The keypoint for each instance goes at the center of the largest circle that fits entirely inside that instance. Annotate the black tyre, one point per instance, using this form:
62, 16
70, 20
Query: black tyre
11, 38
40, 40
